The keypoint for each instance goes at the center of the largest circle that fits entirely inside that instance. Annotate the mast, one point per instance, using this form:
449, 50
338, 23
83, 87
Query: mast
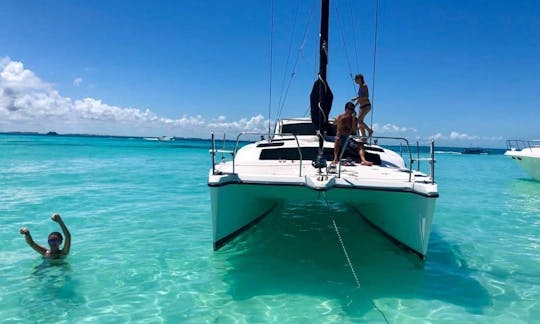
321, 96
323, 40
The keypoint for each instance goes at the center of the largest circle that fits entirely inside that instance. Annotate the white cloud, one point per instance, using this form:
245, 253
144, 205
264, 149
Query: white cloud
78, 81
437, 136
457, 138
461, 136
29, 104
391, 128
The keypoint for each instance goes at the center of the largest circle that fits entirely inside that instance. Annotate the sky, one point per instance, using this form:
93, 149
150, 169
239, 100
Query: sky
463, 73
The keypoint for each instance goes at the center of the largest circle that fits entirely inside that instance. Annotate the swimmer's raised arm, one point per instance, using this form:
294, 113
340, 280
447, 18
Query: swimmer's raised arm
28, 237
67, 234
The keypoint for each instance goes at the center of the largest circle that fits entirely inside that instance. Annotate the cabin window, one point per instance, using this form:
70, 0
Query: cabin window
306, 129
291, 153
299, 129
310, 154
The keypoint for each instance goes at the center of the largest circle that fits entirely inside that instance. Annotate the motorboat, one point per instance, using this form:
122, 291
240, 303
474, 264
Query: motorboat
254, 180
160, 138
474, 150
527, 155
165, 138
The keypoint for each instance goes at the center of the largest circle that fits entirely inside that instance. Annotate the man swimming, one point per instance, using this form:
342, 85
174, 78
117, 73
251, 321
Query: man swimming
55, 240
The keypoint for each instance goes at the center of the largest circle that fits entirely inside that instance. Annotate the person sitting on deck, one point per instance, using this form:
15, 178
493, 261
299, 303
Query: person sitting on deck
55, 240
346, 125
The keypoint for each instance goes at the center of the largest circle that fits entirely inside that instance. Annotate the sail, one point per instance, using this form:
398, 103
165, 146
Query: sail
321, 96
321, 103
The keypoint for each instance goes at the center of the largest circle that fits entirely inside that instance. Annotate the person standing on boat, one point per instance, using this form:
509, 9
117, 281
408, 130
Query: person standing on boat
55, 240
365, 105
346, 126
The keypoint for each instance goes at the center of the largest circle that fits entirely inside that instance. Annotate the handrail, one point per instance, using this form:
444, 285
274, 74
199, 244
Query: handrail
270, 136
432, 161
377, 138
522, 144
213, 155
417, 156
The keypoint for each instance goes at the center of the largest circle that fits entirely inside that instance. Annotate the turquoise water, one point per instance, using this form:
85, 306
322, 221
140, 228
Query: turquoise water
141, 250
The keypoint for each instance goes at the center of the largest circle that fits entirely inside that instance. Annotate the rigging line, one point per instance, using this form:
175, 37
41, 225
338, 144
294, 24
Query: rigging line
289, 53
344, 43
298, 55
374, 64
271, 56
355, 35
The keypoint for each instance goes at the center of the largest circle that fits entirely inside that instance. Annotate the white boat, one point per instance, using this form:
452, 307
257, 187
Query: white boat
526, 154
160, 138
290, 165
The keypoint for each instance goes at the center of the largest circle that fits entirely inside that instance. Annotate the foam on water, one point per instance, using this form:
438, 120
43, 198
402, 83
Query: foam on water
140, 218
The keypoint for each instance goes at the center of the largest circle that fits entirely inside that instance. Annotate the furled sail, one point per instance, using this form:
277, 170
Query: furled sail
321, 103
321, 96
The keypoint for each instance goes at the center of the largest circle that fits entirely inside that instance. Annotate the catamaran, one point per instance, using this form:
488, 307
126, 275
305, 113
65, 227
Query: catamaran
290, 164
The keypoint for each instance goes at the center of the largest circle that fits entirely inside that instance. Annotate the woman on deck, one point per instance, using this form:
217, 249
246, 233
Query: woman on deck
365, 105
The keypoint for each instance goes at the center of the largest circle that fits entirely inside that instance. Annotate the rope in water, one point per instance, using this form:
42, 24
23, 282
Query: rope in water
349, 259
342, 244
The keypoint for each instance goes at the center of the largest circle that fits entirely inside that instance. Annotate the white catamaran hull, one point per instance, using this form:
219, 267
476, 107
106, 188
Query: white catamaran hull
403, 210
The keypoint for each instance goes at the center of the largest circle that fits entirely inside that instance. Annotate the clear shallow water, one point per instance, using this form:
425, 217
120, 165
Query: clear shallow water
141, 251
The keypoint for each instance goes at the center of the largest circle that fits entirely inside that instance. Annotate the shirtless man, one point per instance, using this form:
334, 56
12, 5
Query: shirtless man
346, 125
55, 240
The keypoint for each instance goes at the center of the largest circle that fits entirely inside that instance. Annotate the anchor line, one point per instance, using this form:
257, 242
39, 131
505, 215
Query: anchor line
342, 244
349, 259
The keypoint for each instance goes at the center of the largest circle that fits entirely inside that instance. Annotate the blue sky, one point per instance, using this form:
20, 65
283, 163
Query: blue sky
465, 73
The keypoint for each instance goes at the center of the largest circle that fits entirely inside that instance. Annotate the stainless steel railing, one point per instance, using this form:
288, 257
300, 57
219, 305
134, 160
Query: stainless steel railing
403, 142
518, 145
269, 136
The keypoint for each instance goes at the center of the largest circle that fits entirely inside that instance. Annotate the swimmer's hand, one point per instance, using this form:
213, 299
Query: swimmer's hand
56, 218
24, 231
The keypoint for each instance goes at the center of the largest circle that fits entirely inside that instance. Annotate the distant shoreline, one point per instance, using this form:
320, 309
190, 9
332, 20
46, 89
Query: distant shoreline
95, 135
452, 149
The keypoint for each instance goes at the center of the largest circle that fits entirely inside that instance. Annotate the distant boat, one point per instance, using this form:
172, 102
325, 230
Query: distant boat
526, 154
52, 133
160, 138
474, 150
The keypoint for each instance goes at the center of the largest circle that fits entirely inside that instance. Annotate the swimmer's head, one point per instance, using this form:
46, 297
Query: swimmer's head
55, 239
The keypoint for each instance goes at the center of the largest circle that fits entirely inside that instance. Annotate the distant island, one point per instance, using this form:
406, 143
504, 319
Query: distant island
53, 133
